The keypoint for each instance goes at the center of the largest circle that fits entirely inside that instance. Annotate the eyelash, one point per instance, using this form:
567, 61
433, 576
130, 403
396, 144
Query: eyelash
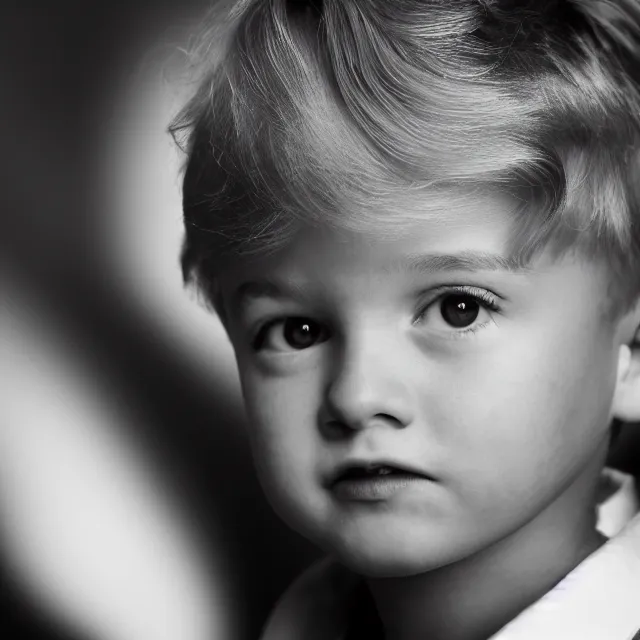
485, 298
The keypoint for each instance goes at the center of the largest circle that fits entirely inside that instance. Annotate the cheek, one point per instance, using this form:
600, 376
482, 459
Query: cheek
278, 412
533, 412
281, 414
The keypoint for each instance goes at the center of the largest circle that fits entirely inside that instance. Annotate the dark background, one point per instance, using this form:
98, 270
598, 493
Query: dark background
63, 66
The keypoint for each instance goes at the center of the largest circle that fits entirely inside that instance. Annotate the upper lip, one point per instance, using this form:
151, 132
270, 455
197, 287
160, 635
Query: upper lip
346, 466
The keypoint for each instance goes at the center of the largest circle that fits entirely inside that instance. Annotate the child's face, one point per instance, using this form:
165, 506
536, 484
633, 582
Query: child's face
493, 386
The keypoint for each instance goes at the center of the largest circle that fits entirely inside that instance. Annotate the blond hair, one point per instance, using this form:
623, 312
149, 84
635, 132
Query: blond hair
368, 114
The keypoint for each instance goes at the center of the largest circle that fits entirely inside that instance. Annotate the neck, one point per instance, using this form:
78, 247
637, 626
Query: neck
473, 598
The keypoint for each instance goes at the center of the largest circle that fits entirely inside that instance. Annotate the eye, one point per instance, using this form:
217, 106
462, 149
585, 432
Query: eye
292, 333
460, 310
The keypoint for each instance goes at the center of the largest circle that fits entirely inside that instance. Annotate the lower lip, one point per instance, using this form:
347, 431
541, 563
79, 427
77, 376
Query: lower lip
375, 488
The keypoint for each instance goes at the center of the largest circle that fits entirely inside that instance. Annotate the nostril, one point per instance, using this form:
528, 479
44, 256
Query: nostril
387, 417
337, 429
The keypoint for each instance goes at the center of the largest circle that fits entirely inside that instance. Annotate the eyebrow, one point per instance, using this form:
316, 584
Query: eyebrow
413, 263
262, 288
463, 261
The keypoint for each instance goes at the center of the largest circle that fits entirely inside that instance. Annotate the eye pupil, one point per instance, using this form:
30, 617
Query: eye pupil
301, 333
459, 310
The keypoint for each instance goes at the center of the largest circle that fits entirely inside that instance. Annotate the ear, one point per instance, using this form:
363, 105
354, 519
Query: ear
626, 399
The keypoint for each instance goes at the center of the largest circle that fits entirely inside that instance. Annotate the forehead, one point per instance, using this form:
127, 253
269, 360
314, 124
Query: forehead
476, 236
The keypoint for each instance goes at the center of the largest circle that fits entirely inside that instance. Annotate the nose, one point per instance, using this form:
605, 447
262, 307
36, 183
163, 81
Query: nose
368, 385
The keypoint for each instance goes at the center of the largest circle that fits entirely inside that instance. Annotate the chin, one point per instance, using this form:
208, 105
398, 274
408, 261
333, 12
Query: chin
393, 559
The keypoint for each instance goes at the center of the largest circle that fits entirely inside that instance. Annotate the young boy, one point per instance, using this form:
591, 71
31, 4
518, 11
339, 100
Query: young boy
419, 222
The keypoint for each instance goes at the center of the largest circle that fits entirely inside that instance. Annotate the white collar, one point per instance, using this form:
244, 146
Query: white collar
599, 599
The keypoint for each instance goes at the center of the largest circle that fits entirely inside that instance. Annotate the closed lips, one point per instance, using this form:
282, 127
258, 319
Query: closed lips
355, 471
